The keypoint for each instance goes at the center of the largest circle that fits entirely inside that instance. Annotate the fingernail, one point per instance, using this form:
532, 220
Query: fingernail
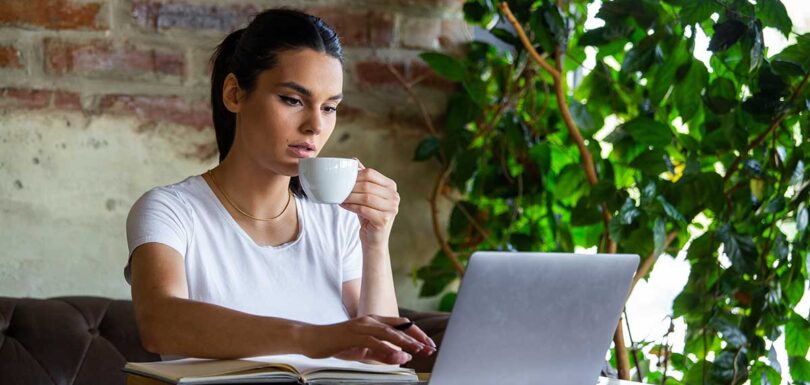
433, 344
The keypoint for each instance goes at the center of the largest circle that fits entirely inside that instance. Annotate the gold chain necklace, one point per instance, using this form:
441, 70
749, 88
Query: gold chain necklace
227, 198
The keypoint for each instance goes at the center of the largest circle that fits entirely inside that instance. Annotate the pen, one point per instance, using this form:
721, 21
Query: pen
403, 326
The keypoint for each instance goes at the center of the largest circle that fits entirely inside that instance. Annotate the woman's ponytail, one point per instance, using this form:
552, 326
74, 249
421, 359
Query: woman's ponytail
224, 120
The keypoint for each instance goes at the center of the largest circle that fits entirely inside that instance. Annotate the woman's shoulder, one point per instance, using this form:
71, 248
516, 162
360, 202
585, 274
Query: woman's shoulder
177, 195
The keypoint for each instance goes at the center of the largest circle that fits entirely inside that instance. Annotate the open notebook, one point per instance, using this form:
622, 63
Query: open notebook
269, 369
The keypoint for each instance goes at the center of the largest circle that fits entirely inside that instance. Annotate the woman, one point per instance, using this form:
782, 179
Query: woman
237, 262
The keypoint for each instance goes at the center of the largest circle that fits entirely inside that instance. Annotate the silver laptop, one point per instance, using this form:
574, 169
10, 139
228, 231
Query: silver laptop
533, 318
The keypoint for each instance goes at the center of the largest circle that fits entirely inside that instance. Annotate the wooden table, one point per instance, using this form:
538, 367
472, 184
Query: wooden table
133, 379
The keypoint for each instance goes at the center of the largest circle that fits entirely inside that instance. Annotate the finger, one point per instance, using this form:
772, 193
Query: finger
418, 334
376, 217
375, 189
387, 333
413, 331
377, 177
372, 201
380, 351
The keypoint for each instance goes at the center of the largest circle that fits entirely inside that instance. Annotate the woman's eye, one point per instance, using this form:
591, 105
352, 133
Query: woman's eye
330, 110
291, 101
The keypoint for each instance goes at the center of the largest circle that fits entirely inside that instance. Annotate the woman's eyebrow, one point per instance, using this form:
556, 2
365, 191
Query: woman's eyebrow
303, 91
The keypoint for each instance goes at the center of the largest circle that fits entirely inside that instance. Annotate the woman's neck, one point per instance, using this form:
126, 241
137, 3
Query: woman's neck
259, 192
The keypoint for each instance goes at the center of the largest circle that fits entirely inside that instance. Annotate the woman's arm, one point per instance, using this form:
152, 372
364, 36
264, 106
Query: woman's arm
373, 293
172, 324
375, 200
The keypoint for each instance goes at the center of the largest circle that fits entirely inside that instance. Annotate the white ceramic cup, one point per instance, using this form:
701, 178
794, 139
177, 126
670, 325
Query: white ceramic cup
327, 180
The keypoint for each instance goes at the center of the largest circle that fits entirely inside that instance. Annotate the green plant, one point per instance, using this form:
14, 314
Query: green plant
708, 158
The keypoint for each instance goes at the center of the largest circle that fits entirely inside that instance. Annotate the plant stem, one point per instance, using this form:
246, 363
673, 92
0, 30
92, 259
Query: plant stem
440, 182
526, 43
409, 89
622, 361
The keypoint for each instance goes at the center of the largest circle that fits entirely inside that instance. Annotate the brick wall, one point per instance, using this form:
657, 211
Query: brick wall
92, 90
149, 58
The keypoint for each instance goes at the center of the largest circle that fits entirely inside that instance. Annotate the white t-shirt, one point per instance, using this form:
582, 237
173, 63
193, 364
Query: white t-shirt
300, 280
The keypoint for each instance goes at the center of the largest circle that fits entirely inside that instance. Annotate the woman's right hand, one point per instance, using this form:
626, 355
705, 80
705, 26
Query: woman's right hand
368, 337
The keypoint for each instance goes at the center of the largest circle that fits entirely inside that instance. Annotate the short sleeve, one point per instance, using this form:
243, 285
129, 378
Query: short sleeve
159, 216
352, 251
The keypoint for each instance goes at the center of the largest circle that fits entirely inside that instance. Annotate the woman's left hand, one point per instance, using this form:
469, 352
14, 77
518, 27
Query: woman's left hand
376, 202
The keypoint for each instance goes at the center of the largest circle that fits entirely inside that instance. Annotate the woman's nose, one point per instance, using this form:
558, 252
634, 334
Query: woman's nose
314, 124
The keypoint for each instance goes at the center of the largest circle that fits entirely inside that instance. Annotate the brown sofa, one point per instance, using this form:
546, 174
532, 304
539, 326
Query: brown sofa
87, 340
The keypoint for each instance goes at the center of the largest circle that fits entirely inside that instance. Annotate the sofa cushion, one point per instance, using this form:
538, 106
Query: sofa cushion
67, 340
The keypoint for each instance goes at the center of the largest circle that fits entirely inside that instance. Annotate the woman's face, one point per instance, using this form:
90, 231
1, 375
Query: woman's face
292, 111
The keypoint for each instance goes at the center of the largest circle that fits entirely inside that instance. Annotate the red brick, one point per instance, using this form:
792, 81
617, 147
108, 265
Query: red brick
148, 108
64, 100
52, 14
420, 32
101, 56
9, 57
24, 98
358, 28
158, 15
376, 73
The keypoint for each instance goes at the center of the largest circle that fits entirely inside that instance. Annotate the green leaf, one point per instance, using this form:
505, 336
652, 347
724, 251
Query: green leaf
641, 56
617, 11
506, 36
697, 11
571, 179
477, 90
797, 336
726, 34
686, 94
650, 162
444, 65
701, 249
582, 118
427, 148
650, 132
721, 95
762, 374
799, 369
436, 276
773, 14
594, 37
481, 12
757, 51
447, 302
795, 59
664, 76
700, 374
740, 249
628, 212
584, 214
801, 218
671, 211
730, 332
659, 235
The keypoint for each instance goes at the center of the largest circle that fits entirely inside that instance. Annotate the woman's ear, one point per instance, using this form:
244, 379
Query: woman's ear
231, 93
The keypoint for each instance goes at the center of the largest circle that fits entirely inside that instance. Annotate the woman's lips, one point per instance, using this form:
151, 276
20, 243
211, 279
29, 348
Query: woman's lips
300, 152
